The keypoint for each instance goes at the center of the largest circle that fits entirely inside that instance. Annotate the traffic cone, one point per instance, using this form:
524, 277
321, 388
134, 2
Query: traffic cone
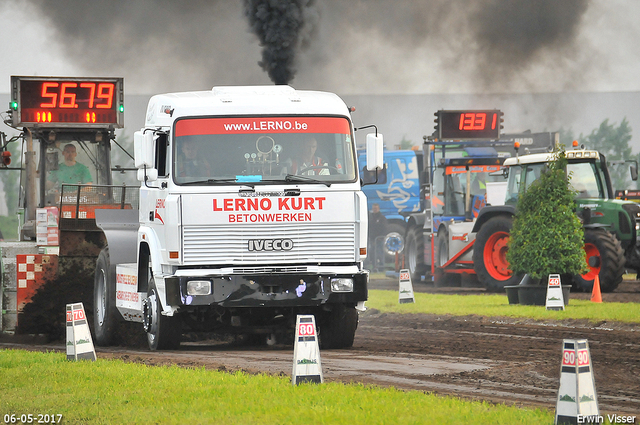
596, 297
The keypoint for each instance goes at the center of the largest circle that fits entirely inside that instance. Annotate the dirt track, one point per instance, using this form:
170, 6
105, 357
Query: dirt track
511, 361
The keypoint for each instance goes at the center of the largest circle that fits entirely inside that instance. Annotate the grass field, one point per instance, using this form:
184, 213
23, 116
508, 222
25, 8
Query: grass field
111, 391
498, 305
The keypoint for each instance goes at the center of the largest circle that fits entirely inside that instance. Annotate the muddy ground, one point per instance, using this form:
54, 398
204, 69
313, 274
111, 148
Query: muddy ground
513, 361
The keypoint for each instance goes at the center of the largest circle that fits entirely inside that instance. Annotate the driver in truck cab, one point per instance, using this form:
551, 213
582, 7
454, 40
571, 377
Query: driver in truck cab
190, 163
307, 162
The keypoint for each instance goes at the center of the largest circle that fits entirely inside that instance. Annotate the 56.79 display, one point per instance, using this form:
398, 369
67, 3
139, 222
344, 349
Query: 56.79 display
65, 102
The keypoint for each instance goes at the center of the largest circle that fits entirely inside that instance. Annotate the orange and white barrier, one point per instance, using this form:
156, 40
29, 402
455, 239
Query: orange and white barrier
79, 342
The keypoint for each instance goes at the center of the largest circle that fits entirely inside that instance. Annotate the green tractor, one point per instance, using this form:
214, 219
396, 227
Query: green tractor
611, 225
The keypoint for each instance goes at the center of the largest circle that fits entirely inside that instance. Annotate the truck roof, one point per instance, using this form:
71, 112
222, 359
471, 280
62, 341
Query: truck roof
163, 109
546, 157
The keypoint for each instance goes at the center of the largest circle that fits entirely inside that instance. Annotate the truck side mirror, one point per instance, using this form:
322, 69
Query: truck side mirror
634, 171
375, 147
144, 149
374, 177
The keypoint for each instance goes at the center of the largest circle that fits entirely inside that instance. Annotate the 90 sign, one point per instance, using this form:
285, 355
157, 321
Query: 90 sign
468, 125
67, 102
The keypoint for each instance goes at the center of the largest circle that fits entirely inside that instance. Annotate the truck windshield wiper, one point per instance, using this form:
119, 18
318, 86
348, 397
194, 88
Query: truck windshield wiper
299, 178
214, 182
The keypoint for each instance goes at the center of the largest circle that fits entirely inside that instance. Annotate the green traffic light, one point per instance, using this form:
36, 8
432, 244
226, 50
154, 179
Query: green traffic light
14, 106
121, 108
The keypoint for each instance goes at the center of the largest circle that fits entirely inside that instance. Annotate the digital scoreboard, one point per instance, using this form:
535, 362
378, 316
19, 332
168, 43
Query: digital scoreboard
466, 125
55, 102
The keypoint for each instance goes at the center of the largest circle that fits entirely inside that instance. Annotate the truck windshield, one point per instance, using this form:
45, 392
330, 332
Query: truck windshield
458, 188
263, 150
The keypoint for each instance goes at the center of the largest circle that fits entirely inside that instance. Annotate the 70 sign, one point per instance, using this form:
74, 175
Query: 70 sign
75, 315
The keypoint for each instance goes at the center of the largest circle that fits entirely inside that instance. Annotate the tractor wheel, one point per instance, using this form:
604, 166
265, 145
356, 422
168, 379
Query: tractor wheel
490, 254
105, 314
414, 251
605, 259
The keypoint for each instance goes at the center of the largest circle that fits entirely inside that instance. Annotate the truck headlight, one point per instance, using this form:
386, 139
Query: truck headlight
198, 287
341, 284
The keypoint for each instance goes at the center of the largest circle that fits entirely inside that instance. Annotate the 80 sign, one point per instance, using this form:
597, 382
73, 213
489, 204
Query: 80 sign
306, 329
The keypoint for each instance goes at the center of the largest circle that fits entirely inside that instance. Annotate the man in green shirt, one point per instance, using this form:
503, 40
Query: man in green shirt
70, 171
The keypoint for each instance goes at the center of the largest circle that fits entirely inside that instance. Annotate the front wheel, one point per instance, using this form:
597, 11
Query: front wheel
414, 252
338, 327
163, 332
443, 279
105, 314
605, 259
490, 254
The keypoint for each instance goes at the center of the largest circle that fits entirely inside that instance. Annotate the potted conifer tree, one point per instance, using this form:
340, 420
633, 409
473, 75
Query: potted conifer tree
547, 236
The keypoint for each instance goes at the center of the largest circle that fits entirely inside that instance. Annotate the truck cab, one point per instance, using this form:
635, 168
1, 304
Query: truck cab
251, 212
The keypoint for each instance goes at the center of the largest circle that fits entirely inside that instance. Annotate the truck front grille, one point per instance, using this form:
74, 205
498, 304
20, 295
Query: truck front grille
311, 243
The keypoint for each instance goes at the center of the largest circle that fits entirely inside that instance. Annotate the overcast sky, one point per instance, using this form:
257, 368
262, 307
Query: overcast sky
348, 47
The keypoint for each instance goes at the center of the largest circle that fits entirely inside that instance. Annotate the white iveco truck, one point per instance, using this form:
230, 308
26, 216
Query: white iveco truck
251, 212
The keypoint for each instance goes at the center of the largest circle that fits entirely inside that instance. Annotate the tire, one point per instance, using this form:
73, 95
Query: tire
338, 327
414, 251
489, 254
163, 332
105, 313
602, 245
442, 257
442, 247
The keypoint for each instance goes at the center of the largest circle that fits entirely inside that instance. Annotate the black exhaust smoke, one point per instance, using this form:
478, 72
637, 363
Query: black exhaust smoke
281, 27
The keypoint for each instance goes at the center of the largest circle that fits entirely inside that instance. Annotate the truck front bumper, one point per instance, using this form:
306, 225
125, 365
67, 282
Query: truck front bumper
267, 290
